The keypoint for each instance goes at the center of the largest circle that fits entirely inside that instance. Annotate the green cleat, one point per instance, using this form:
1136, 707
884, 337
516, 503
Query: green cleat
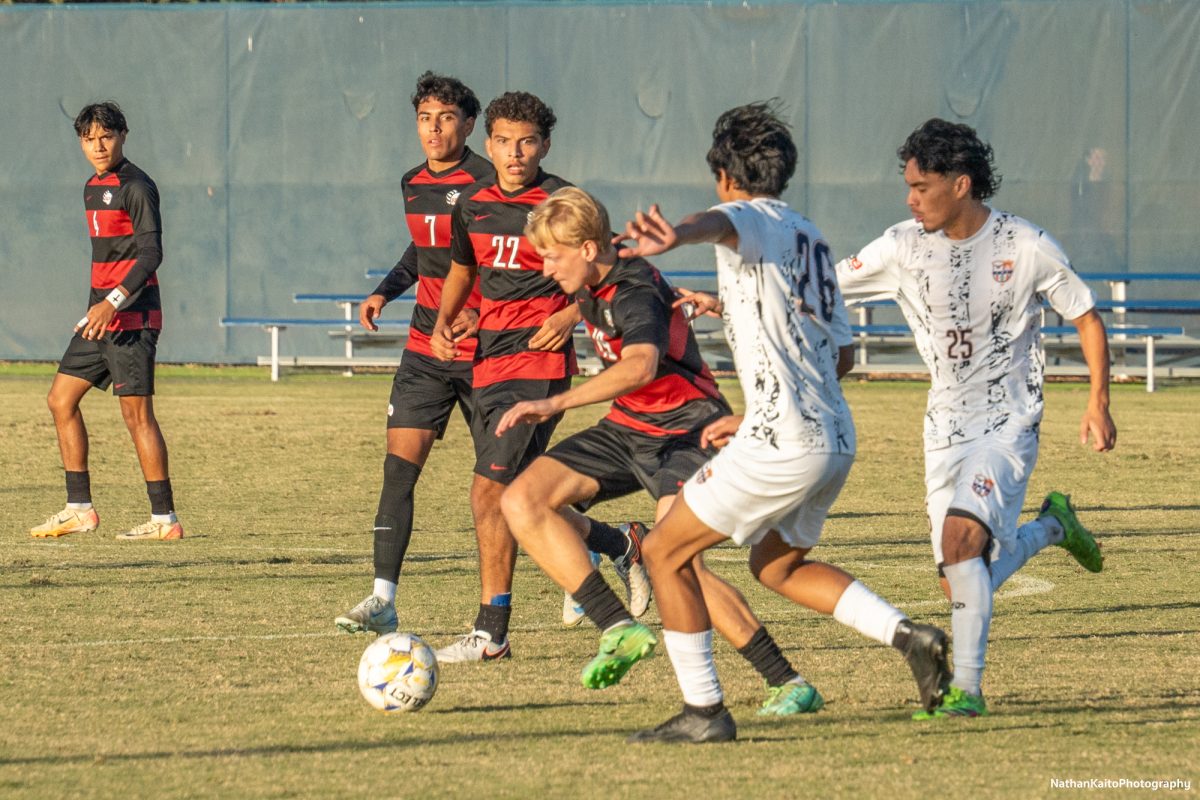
797, 696
621, 646
955, 703
1077, 540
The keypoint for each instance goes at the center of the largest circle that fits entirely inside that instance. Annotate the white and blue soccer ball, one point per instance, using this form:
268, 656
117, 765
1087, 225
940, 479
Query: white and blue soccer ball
398, 672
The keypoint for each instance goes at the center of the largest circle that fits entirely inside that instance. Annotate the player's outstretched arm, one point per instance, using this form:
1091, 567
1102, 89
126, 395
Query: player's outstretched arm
637, 367
1097, 422
652, 234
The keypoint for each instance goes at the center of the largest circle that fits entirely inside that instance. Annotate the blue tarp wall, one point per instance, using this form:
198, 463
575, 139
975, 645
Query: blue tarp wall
278, 133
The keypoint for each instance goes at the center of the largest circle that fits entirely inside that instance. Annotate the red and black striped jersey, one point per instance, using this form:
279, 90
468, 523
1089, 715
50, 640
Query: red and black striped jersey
489, 233
122, 217
429, 200
632, 305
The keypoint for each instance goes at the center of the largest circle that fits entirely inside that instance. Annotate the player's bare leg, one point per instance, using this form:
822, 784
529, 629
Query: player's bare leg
66, 392
138, 413
530, 507
488, 640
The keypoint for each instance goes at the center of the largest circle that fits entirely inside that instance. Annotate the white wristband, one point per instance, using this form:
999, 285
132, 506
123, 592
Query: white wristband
116, 297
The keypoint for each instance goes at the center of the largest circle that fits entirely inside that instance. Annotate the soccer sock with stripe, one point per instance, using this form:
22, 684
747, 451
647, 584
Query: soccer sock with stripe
970, 617
79, 490
764, 655
868, 613
393, 523
1031, 538
692, 657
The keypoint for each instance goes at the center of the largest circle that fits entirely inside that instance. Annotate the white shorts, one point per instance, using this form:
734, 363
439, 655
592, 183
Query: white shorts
750, 488
984, 479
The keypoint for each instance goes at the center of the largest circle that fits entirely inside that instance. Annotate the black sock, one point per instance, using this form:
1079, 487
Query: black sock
606, 539
162, 501
493, 620
764, 655
79, 487
394, 520
708, 712
900, 637
599, 602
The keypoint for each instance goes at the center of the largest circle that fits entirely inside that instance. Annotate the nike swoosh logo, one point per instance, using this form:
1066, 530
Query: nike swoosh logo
481, 216
414, 197
385, 528
118, 385
498, 469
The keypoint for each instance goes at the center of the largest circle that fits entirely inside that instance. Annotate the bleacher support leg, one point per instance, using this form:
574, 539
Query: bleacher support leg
1149, 363
274, 329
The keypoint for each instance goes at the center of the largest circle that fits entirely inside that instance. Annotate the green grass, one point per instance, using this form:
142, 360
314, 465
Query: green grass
210, 667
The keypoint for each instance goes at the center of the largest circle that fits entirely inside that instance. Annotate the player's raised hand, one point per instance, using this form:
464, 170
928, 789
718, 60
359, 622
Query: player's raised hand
698, 303
369, 310
443, 342
1098, 423
650, 232
526, 411
718, 432
465, 324
556, 329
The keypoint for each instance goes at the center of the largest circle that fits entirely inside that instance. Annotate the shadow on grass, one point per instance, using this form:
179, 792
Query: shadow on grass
1115, 609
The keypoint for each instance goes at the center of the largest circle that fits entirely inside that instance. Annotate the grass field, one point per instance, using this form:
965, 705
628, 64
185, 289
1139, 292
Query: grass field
210, 667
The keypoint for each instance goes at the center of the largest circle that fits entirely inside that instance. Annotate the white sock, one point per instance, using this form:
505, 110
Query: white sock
692, 657
970, 616
385, 590
868, 613
79, 506
1032, 538
166, 519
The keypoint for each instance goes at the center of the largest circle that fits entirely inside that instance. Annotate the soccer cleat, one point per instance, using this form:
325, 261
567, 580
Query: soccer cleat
955, 703
373, 614
474, 646
621, 646
1077, 540
797, 696
69, 520
690, 728
925, 651
153, 530
632, 570
572, 611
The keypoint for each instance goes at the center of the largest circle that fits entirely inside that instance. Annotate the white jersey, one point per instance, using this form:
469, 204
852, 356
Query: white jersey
784, 320
974, 307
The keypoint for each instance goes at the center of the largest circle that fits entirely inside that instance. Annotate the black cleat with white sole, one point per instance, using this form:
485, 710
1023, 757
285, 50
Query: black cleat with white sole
690, 727
925, 648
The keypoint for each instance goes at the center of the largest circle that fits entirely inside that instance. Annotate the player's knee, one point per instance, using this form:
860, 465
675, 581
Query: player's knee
517, 505
963, 537
59, 405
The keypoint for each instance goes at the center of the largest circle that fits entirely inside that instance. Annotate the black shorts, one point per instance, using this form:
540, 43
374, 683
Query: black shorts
624, 461
425, 391
502, 458
124, 359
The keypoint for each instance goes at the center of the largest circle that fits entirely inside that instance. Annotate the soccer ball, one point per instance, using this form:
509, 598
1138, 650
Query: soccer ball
398, 672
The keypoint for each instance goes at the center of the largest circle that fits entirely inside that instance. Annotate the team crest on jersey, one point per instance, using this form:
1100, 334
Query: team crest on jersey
855, 263
452, 196
1002, 270
704, 473
982, 485
106, 197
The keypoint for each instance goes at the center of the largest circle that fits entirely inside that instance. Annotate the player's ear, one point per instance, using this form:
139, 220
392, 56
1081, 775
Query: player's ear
589, 251
545, 146
468, 127
962, 186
